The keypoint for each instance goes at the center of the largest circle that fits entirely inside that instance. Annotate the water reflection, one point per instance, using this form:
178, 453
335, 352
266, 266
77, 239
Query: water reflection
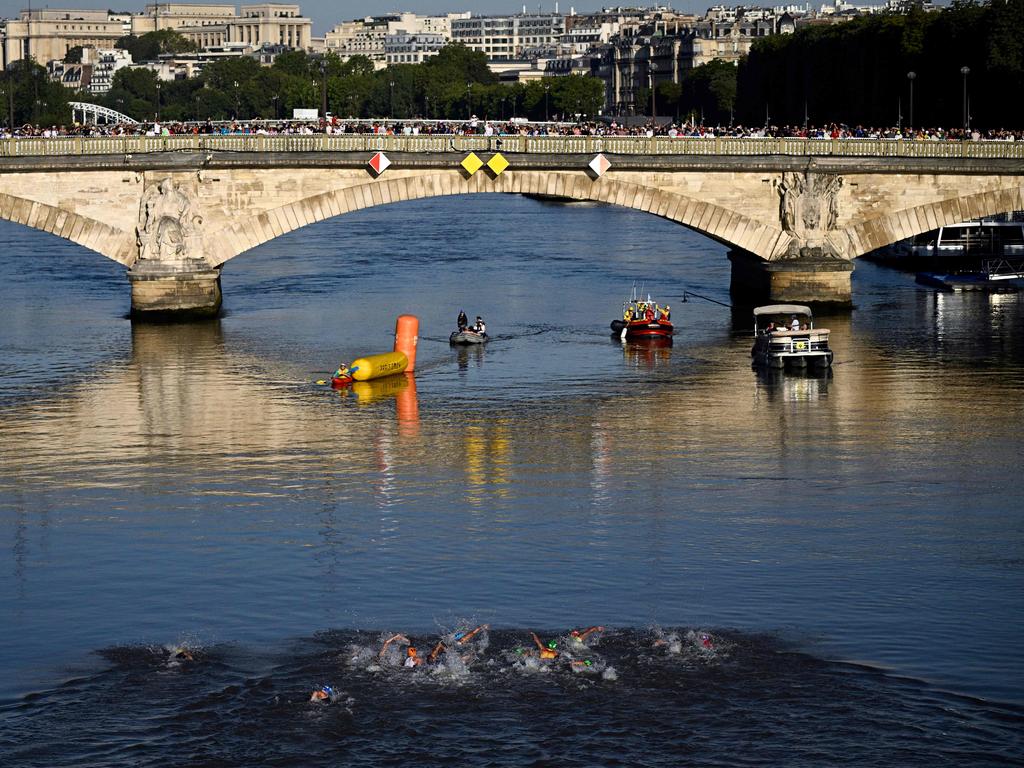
646, 354
792, 386
467, 354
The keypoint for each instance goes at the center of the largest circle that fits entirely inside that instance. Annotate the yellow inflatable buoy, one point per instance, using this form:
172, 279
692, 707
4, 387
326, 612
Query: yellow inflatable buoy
375, 366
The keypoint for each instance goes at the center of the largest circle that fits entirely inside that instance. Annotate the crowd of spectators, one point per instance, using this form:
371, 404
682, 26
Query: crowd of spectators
476, 126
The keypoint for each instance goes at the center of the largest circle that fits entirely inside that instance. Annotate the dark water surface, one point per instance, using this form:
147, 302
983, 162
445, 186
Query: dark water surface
853, 543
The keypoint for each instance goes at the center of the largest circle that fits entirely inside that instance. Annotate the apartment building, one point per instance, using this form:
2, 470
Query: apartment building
510, 38
369, 36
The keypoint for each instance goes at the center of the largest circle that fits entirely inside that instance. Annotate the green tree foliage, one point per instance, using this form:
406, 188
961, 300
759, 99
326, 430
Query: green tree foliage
149, 46
36, 99
74, 55
856, 72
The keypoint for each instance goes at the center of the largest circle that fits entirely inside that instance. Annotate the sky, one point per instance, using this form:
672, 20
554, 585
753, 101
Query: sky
327, 13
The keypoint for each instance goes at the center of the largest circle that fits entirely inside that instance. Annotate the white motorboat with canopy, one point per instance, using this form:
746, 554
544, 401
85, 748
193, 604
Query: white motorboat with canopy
784, 334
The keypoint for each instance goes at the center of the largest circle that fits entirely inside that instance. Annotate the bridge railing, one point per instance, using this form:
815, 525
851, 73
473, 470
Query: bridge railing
558, 145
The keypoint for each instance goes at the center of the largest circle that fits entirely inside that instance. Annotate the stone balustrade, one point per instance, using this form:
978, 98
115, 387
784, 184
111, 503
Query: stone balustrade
725, 146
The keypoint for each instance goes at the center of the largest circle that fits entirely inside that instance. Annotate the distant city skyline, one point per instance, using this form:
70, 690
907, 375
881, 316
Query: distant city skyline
326, 13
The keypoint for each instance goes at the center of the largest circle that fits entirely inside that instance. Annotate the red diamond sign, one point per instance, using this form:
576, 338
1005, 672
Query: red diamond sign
599, 165
379, 162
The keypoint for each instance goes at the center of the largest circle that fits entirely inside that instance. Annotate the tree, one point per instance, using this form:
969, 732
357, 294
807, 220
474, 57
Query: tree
37, 99
74, 55
149, 46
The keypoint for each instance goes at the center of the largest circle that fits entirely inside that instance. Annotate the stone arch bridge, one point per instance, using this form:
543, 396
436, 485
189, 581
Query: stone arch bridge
795, 212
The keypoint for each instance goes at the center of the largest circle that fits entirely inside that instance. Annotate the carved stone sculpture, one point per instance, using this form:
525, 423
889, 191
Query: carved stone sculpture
168, 227
802, 197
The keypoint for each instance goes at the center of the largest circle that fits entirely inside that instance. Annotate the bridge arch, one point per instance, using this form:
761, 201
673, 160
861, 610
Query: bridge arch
95, 235
727, 226
871, 234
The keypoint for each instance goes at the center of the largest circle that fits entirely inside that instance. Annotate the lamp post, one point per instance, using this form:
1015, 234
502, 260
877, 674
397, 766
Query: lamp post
238, 107
503, 108
426, 105
547, 88
965, 71
158, 102
323, 88
10, 100
469, 100
391, 103
651, 68
274, 99
911, 76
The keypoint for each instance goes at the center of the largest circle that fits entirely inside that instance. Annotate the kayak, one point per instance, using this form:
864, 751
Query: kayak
341, 381
468, 337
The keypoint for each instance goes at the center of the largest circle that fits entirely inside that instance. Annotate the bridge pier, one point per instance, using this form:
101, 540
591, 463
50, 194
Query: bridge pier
811, 278
161, 295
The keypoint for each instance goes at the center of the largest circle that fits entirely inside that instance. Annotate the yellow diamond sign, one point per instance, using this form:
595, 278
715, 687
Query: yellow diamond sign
472, 163
497, 163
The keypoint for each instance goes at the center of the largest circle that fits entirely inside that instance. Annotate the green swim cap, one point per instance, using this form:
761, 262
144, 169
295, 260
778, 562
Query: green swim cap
552, 645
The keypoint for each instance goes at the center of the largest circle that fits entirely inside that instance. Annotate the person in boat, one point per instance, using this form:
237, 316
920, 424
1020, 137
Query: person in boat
794, 324
664, 312
342, 371
463, 321
480, 326
627, 314
649, 314
770, 328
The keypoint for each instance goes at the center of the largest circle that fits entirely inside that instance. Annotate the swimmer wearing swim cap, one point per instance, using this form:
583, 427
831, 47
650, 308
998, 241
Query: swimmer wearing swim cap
322, 695
549, 651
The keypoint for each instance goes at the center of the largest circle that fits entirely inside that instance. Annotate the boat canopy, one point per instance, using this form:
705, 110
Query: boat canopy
782, 309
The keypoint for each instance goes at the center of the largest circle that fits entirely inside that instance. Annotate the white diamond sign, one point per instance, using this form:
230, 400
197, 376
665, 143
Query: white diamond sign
599, 165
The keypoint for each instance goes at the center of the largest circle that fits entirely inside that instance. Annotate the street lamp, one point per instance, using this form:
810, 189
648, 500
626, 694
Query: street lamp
323, 88
651, 68
391, 103
158, 102
274, 99
469, 100
547, 88
965, 71
238, 103
426, 102
911, 76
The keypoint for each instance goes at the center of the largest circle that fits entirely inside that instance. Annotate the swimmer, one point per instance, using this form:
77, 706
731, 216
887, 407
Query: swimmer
670, 642
322, 695
580, 635
412, 657
464, 637
180, 653
387, 643
549, 651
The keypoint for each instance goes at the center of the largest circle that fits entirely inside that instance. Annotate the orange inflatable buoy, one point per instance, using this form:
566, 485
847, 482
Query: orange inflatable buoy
407, 330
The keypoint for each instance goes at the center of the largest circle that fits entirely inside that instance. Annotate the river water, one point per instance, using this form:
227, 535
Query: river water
851, 545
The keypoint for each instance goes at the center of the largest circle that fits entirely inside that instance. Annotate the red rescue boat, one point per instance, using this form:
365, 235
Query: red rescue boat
643, 319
